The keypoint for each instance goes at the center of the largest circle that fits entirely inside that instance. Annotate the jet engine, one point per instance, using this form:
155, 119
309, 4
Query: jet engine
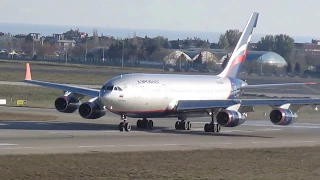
283, 117
66, 104
229, 118
91, 110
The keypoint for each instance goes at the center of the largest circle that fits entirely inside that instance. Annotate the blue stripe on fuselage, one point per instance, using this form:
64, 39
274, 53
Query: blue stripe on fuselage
235, 92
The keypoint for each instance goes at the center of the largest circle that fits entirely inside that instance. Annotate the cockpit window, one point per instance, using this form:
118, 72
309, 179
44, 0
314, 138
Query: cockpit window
109, 88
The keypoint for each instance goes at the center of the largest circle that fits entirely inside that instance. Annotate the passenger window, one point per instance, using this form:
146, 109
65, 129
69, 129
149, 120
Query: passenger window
115, 88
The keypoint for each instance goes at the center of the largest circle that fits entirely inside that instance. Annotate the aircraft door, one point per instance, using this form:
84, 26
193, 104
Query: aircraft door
165, 91
136, 93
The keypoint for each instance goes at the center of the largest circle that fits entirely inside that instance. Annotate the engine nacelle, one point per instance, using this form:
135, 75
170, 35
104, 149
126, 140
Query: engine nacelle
66, 104
229, 118
91, 110
283, 117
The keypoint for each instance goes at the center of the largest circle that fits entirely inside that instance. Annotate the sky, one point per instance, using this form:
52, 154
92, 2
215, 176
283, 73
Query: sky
293, 17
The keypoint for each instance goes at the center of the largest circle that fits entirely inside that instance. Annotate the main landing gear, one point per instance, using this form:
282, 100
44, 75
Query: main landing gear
183, 125
124, 125
144, 124
212, 127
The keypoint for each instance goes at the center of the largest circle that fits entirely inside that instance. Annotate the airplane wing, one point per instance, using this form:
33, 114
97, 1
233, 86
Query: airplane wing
64, 87
275, 85
198, 105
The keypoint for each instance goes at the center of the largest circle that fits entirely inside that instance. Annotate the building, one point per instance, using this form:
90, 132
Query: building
218, 56
265, 57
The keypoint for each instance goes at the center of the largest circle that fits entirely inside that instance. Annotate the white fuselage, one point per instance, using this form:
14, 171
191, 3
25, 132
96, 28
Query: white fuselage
154, 95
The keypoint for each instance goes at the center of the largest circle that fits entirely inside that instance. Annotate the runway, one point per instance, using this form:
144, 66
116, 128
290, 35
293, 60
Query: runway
70, 133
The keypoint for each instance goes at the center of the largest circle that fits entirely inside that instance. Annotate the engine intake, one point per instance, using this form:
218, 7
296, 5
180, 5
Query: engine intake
283, 117
229, 118
91, 110
66, 104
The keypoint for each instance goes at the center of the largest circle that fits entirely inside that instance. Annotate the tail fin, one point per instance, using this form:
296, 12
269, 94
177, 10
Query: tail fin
240, 52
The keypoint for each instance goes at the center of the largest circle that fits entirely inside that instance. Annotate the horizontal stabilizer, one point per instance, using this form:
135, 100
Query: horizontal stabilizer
275, 85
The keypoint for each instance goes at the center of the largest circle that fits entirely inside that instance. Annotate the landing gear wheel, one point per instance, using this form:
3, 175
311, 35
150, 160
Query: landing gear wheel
182, 125
139, 123
149, 124
127, 126
121, 126
145, 124
218, 127
206, 127
177, 125
189, 125
214, 128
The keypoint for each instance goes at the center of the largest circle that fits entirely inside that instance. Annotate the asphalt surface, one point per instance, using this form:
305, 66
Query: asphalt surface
70, 133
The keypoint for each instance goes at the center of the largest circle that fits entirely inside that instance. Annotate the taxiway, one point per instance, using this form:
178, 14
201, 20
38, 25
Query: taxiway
70, 133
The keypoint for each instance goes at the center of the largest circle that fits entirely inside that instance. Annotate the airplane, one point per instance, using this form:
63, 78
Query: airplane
146, 96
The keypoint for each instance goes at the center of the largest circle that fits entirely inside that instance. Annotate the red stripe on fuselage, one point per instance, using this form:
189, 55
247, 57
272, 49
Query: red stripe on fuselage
150, 111
239, 59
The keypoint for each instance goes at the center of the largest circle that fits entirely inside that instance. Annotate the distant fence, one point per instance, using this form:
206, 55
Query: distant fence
109, 62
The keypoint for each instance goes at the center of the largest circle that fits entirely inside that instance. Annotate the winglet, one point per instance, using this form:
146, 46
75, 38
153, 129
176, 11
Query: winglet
28, 72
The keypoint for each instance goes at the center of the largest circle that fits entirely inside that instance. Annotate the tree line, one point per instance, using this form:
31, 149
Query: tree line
145, 48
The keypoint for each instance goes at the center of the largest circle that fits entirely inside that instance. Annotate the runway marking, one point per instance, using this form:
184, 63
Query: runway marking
268, 129
235, 131
7, 144
151, 145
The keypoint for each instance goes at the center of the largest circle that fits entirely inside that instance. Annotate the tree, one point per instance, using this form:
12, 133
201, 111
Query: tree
297, 68
29, 38
95, 37
223, 42
281, 44
233, 36
229, 39
289, 67
266, 43
225, 61
284, 45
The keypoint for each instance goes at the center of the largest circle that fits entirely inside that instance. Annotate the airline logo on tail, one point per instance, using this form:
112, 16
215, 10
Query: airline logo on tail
239, 54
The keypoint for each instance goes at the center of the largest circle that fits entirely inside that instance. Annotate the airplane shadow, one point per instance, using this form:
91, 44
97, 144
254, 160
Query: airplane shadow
56, 125
87, 126
166, 130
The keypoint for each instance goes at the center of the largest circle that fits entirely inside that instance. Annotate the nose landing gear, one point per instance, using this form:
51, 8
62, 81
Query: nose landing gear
124, 125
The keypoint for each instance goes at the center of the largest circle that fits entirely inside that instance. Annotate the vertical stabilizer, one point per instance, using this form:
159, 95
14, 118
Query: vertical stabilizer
240, 52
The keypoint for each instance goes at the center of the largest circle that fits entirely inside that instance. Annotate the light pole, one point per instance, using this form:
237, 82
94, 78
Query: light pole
122, 53
32, 48
102, 54
85, 56
260, 66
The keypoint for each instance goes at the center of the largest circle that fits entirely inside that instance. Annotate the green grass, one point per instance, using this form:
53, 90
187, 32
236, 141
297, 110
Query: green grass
226, 164
5, 116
